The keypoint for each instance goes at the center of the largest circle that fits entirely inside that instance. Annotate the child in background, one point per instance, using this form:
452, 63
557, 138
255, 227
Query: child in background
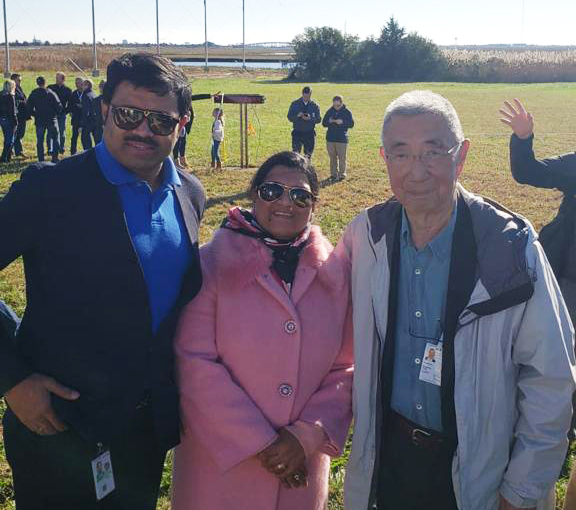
217, 137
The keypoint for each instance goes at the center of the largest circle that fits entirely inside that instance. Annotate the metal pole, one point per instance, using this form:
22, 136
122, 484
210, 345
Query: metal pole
246, 136
243, 37
522, 32
7, 63
157, 31
205, 38
94, 53
241, 139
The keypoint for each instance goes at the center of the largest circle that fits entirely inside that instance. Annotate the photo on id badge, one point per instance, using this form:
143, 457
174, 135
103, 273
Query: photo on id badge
431, 368
103, 475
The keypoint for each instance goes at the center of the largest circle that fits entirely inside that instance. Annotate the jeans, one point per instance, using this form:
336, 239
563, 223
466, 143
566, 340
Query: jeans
304, 140
216, 151
61, 119
51, 128
74, 140
179, 150
88, 133
20, 132
9, 132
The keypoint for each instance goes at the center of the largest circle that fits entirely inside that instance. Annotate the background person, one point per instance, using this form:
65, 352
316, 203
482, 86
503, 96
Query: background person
558, 238
304, 115
109, 239
8, 119
338, 119
21, 115
179, 152
75, 109
217, 137
99, 120
64, 94
43, 104
90, 116
264, 355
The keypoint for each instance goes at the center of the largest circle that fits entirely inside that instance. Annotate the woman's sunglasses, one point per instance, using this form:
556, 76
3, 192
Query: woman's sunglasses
128, 118
272, 191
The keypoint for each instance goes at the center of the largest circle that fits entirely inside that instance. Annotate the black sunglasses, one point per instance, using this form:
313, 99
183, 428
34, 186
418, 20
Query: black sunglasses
272, 191
128, 118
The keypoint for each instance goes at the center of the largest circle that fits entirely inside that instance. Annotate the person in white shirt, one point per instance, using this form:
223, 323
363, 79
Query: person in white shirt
217, 137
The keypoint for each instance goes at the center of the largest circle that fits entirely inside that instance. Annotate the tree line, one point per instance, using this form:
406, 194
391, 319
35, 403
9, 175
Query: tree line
326, 53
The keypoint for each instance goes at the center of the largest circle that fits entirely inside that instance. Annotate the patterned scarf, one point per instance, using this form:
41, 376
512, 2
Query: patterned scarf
285, 253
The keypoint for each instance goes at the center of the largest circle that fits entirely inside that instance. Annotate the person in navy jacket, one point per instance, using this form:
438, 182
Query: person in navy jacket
109, 240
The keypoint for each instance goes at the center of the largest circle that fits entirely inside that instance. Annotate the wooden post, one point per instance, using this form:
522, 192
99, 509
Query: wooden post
241, 138
246, 135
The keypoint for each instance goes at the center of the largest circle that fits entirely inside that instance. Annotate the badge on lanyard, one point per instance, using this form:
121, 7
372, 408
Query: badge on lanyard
431, 369
102, 473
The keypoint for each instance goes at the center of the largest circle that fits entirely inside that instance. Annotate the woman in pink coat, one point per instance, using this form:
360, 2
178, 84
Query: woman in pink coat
264, 355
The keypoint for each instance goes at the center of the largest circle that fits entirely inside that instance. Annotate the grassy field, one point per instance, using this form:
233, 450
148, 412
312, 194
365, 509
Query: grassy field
487, 171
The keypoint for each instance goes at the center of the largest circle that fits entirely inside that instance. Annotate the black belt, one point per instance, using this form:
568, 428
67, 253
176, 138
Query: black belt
418, 435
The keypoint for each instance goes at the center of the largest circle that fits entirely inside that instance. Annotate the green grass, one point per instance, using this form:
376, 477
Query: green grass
486, 172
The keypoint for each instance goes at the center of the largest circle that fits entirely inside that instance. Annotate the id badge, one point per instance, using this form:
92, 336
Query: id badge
431, 369
103, 475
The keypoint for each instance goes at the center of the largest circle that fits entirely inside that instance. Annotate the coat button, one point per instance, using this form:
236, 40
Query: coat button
290, 327
285, 390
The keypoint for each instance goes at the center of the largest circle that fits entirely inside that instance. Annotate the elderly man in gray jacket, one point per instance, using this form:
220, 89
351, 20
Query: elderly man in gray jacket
463, 345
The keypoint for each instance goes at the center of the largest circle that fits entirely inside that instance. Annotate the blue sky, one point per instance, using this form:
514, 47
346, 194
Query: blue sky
443, 21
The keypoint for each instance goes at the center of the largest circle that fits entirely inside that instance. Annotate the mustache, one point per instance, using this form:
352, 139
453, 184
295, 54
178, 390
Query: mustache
140, 139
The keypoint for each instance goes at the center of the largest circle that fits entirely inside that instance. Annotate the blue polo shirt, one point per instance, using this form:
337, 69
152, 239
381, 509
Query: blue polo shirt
422, 288
156, 227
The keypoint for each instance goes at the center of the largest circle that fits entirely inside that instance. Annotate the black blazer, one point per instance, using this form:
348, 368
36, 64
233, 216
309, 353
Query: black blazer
87, 322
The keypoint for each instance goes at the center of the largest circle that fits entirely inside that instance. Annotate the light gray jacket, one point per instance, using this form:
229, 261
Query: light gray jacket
513, 360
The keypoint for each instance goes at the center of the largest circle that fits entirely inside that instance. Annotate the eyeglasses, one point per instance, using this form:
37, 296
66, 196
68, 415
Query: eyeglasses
128, 118
428, 157
272, 191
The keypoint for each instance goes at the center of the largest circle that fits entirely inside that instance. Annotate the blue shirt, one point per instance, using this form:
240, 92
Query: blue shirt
157, 230
422, 287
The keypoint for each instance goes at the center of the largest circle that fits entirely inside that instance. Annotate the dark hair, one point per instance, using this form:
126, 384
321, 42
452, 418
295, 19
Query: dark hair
14, 76
306, 90
338, 98
148, 71
40, 81
290, 160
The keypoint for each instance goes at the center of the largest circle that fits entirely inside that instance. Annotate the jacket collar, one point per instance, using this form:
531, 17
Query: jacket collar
500, 237
240, 259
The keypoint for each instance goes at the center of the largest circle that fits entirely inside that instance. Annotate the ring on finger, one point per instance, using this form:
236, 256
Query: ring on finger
280, 467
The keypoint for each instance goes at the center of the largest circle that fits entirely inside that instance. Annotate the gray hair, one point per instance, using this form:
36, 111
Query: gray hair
418, 102
9, 87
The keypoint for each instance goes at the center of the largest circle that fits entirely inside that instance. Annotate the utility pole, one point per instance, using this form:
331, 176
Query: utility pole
243, 37
95, 71
205, 38
522, 32
7, 62
157, 31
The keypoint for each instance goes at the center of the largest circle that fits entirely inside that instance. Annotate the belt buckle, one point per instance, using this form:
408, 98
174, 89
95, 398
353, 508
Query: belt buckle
417, 435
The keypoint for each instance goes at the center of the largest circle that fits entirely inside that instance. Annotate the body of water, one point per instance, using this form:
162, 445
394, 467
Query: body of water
236, 63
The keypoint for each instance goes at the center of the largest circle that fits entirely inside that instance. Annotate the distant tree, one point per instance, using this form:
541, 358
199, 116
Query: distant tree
325, 54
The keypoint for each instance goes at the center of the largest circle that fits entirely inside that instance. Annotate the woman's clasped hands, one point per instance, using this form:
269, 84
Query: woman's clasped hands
286, 459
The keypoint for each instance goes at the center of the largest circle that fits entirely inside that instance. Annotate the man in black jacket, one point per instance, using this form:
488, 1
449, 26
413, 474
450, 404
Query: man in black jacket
64, 93
22, 115
338, 119
90, 115
109, 240
75, 110
43, 104
304, 115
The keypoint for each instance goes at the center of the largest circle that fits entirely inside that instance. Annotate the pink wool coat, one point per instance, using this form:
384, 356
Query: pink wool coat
252, 359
